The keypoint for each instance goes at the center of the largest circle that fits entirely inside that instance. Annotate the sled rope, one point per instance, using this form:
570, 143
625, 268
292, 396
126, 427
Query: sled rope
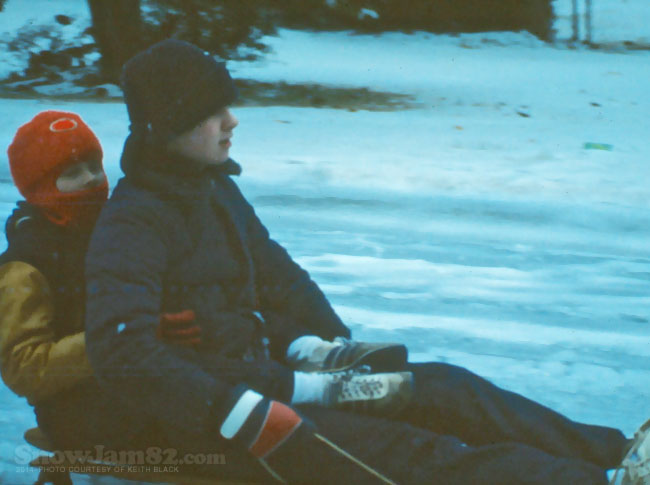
355, 460
271, 471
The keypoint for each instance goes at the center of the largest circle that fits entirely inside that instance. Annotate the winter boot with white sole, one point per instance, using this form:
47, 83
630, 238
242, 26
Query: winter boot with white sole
635, 467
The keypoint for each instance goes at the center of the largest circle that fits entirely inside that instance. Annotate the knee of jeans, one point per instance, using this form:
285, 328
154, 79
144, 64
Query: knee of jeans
441, 371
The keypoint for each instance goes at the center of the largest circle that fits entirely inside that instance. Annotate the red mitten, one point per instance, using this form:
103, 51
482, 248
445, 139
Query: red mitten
179, 328
261, 424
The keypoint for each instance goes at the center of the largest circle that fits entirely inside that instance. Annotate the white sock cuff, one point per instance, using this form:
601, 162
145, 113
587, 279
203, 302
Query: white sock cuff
302, 347
309, 387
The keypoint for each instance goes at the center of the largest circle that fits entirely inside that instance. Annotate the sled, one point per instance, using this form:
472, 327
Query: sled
57, 472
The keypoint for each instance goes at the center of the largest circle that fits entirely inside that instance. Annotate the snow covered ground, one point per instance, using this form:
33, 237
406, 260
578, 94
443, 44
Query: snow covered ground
478, 228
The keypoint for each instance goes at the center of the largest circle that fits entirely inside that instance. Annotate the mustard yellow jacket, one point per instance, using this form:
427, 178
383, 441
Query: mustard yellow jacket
33, 362
42, 306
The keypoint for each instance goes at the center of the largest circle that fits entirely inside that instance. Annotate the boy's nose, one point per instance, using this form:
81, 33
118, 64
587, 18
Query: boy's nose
231, 121
90, 178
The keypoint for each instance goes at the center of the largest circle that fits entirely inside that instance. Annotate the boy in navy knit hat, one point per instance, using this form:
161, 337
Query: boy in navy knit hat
274, 370
177, 97
172, 87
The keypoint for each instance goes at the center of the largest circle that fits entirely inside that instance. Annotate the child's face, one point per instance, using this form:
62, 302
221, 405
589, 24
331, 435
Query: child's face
81, 176
208, 142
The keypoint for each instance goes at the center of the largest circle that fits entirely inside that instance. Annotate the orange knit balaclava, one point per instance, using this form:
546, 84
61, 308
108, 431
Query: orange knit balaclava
41, 150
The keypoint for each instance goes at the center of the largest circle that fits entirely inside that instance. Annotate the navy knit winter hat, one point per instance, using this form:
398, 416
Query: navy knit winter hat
173, 86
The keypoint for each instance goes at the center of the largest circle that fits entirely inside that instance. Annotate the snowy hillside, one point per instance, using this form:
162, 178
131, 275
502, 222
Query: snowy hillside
503, 225
614, 21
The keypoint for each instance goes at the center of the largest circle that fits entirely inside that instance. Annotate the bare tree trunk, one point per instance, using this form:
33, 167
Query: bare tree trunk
192, 15
575, 21
117, 29
588, 21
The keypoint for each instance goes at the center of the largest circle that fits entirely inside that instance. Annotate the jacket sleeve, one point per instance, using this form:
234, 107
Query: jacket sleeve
125, 266
284, 287
32, 362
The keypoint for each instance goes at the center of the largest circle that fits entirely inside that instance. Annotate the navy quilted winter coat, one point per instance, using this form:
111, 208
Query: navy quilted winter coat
175, 236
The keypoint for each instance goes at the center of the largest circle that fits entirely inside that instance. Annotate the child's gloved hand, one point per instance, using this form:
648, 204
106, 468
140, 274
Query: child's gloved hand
263, 425
179, 328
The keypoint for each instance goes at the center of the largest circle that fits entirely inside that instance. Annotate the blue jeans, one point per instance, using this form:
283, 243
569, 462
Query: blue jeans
458, 429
